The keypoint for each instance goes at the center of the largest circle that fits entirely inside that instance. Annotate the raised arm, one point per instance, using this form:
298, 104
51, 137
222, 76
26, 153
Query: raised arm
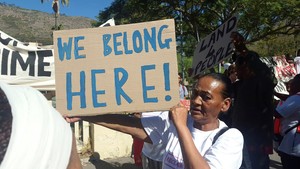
191, 156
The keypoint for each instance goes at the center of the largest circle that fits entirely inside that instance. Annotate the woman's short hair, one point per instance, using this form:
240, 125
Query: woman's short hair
227, 89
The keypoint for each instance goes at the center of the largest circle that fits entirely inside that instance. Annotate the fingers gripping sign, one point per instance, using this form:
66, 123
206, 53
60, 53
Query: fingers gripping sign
178, 114
70, 119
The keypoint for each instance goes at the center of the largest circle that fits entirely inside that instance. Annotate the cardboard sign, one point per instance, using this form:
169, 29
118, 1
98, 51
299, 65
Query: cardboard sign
283, 72
126, 68
215, 47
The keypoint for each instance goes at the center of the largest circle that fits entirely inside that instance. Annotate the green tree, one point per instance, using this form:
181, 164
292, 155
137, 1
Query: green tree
258, 19
194, 19
277, 45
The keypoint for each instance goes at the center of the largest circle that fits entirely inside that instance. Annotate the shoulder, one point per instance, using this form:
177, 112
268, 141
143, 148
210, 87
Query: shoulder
233, 133
230, 134
17, 93
229, 145
293, 97
290, 100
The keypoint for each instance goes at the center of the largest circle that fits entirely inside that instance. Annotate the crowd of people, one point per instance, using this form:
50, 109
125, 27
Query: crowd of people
253, 109
229, 123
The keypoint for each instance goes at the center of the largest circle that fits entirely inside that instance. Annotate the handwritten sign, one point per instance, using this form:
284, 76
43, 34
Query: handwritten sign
215, 47
283, 72
126, 68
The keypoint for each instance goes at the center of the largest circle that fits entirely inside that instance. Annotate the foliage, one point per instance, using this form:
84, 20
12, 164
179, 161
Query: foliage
272, 16
277, 45
59, 27
258, 19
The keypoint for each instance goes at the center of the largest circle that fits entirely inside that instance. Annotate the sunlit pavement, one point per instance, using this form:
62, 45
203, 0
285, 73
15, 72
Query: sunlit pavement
275, 161
128, 163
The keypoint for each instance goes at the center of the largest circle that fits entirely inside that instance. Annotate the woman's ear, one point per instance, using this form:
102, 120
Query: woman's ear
226, 104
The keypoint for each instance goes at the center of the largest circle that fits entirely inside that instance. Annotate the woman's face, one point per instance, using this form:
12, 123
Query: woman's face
207, 101
232, 75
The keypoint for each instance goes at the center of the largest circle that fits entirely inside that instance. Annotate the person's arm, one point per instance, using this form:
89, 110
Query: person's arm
119, 122
191, 156
74, 161
288, 107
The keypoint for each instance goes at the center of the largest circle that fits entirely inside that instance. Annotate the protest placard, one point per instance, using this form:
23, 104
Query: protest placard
126, 68
283, 71
215, 47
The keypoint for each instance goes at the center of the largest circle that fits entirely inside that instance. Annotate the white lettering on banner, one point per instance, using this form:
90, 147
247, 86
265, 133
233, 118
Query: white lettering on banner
215, 47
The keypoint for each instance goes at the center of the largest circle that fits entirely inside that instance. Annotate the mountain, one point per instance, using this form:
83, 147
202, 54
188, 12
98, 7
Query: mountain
35, 26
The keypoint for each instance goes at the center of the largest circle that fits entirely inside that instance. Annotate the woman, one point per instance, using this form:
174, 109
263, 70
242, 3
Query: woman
189, 137
289, 114
232, 73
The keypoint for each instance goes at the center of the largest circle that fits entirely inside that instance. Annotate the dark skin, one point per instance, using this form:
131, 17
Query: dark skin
206, 104
239, 43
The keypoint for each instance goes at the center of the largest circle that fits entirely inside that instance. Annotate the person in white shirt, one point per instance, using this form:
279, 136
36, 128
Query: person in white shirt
188, 135
152, 155
183, 92
32, 133
289, 114
297, 61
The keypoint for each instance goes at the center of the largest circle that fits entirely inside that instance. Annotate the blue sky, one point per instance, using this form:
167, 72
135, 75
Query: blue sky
86, 8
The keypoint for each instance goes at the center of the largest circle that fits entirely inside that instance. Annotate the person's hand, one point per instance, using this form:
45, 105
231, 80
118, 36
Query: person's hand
71, 119
178, 114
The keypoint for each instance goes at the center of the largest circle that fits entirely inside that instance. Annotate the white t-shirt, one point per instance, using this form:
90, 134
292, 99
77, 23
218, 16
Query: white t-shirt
155, 152
225, 153
290, 111
297, 64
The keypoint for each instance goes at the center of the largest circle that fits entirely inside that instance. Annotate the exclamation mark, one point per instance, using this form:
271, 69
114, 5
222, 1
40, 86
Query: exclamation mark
167, 80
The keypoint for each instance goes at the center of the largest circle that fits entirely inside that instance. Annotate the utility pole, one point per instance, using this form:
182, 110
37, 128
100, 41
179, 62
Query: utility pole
181, 48
55, 26
55, 7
